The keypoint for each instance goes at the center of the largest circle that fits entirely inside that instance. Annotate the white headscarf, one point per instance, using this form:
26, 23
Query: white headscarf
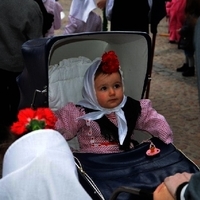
90, 101
109, 7
38, 166
80, 9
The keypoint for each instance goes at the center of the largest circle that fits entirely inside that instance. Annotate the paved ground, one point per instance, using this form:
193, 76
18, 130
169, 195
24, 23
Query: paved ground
175, 96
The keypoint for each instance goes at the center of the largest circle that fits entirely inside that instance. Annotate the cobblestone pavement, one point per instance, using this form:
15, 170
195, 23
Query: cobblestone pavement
175, 96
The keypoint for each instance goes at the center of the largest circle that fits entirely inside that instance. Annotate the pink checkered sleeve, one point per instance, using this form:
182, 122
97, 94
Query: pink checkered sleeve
153, 122
67, 123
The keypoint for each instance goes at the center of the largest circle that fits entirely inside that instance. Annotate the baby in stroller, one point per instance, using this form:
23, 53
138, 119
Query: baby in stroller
106, 100
105, 119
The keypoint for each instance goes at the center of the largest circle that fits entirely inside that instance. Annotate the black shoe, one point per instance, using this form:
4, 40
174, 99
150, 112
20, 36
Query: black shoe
183, 68
189, 72
172, 41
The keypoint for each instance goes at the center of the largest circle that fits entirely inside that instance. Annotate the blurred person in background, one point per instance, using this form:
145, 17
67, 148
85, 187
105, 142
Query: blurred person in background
53, 7
176, 16
186, 42
82, 17
19, 21
127, 15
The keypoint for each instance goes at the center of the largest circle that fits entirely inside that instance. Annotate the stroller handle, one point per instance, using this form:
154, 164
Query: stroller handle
140, 192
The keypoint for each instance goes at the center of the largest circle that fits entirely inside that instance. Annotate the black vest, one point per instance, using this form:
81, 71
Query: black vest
132, 110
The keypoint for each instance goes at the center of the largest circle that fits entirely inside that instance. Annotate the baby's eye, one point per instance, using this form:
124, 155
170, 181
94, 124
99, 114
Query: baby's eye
103, 88
117, 85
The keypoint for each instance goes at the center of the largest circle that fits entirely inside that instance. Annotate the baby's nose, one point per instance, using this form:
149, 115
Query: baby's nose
111, 91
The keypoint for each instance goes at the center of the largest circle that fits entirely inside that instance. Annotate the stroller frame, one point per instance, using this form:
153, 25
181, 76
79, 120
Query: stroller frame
132, 48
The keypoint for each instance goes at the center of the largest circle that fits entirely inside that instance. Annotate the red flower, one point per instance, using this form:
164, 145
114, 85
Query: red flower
26, 115
18, 128
110, 62
47, 115
30, 120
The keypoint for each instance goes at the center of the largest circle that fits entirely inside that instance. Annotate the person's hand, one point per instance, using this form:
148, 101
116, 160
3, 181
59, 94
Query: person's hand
162, 192
101, 4
172, 182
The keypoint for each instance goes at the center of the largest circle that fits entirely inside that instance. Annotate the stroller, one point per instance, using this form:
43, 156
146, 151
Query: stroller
43, 54
53, 75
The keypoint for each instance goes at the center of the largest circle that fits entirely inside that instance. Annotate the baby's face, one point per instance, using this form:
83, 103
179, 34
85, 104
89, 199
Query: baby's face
109, 90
